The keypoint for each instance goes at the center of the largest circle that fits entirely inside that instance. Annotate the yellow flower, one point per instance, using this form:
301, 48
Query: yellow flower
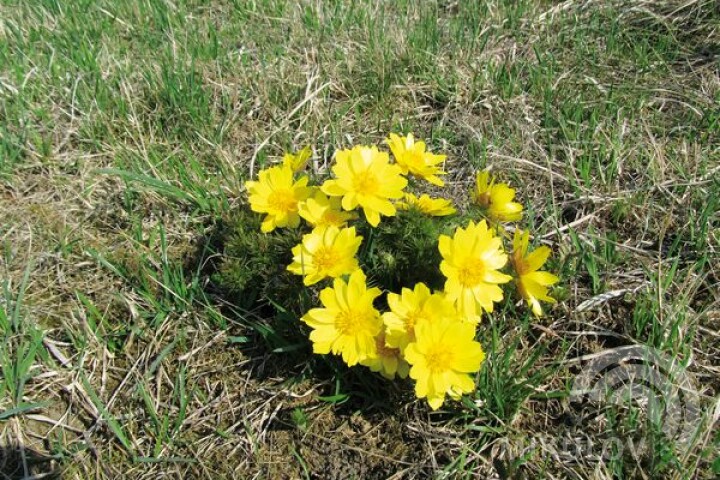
326, 252
436, 207
276, 194
471, 260
531, 283
388, 361
365, 177
321, 211
348, 323
409, 309
496, 198
442, 356
299, 160
412, 158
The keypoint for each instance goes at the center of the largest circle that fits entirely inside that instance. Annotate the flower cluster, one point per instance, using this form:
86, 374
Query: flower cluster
427, 335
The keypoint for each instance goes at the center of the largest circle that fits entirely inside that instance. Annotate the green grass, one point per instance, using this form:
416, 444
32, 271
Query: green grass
127, 130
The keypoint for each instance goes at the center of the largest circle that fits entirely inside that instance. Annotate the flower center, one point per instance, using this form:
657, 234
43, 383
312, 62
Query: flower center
439, 359
282, 200
330, 217
424, 205
351, 322
472, 272
412, 319
415, 160
382, 349
522, 290
484, 199
325, 258
519, 264
366, 183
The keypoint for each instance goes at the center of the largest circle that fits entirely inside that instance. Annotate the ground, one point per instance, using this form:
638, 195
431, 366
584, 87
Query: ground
127, 130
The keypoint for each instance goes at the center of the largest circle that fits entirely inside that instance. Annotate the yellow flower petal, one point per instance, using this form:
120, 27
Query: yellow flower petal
471, 259
496, 199
413, 158
321, 211
411, 308
297, 161
441, 358
344, 327
326, 252
436, 207
365, 178
531, 282
278, 196
388, 361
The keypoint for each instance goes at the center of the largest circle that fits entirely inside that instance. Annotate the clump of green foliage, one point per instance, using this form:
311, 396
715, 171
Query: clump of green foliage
253, 272
400, 252
403, 251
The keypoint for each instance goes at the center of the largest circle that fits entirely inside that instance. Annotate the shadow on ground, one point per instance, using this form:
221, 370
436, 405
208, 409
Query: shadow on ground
335, 420
20, 463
